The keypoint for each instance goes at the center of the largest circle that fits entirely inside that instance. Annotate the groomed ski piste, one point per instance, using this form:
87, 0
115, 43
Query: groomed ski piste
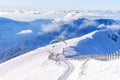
49, 63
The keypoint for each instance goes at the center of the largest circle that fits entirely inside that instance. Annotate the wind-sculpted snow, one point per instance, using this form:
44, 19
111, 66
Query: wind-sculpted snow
42, 31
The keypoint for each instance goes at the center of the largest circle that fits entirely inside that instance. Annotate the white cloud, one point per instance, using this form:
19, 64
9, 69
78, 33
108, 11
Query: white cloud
114, 27
49, 13
87, 23
101, 26
62, 35
24, 32
72, 15
50, 28
69, 16
59, 15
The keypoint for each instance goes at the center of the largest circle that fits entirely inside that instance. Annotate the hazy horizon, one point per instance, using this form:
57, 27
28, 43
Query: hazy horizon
61, 4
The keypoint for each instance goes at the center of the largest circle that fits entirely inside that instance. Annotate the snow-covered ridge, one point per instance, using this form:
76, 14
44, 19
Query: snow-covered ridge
102, 42
37, 65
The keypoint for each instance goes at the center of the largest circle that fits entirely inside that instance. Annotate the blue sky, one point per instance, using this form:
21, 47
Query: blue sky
61, 4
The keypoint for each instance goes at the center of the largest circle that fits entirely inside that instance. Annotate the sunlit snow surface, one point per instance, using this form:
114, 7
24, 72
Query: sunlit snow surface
36, 65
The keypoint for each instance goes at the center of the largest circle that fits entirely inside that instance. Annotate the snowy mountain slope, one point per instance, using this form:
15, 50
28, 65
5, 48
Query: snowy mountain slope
34, 66
15, 32
11, 31
27, 62
95, 70
37, 65
102, 42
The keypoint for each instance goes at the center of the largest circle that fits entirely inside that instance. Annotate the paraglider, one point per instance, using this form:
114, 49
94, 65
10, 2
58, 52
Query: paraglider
58, 40
57, 56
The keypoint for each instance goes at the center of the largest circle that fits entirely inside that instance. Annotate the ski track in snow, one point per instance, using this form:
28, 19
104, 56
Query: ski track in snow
68, 71
83, 66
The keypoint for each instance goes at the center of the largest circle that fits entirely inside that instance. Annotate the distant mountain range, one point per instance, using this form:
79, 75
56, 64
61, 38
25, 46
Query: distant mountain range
17, 37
